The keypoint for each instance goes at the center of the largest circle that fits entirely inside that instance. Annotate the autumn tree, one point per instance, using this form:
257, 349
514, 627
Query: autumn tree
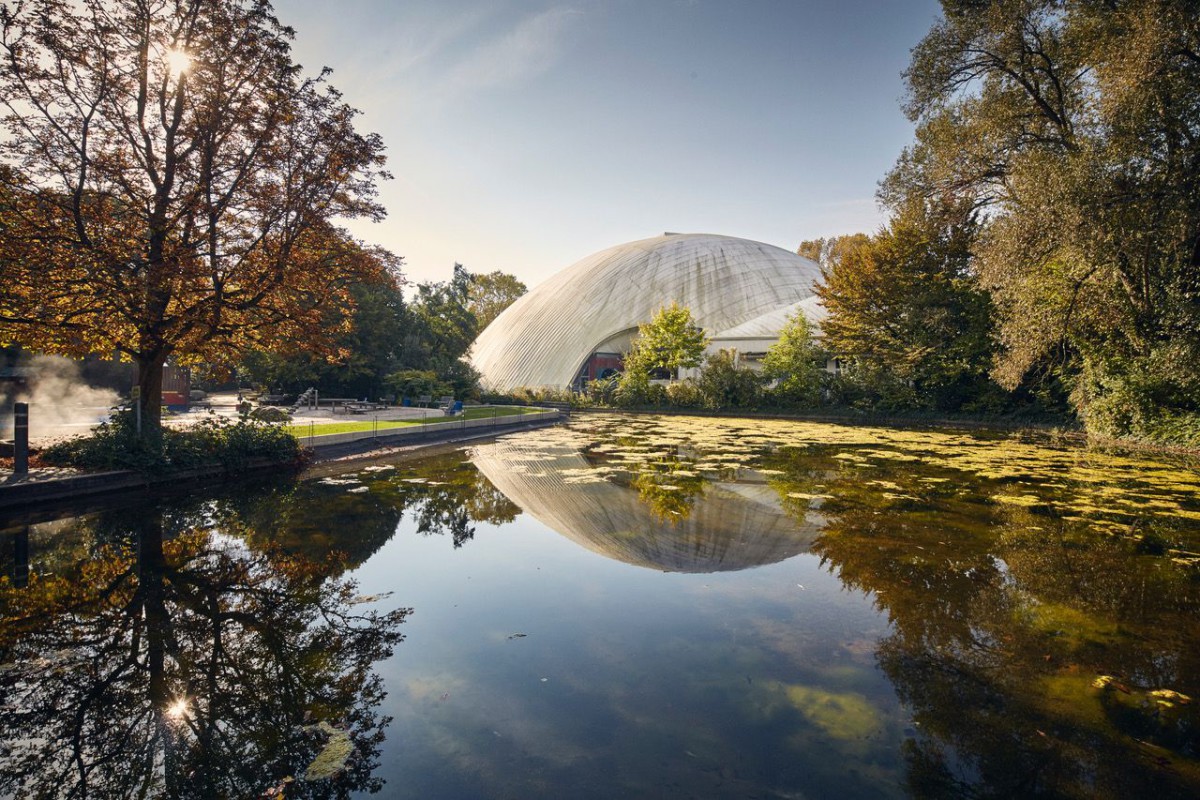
829, 251
1075, 126
491, 293
905, 304
171, 184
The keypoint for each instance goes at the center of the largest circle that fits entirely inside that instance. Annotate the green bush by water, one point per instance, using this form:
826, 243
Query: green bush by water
116, 445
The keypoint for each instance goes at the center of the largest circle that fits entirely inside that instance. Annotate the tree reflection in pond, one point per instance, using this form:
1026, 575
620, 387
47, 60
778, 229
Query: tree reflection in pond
170, 659
1037, 658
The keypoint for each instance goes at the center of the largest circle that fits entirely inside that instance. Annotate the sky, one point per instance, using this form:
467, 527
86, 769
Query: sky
524, 136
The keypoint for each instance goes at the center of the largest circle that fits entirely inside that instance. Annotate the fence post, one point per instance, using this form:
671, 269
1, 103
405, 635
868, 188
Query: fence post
20, 438
21, 558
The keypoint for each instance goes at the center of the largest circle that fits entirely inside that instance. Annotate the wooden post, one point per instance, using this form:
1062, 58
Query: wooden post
20, 438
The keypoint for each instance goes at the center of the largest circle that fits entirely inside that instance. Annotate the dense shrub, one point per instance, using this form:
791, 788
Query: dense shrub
603, 391
116, 445
417, 382
685, 394
1154, 397
723, 384
635, 389
270, 414
462, 377
532, 397
866, 387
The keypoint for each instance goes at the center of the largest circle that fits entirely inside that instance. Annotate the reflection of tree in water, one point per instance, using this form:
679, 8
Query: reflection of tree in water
1003, 635
669, 487
446, 495
176, 661
310, 519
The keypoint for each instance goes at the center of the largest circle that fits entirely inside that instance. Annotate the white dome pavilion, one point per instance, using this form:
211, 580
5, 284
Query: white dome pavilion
594, 306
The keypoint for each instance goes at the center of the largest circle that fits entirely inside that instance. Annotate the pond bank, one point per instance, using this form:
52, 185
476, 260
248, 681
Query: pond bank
49, 487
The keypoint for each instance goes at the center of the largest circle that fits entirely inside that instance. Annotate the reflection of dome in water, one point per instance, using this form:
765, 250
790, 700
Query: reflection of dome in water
732, 526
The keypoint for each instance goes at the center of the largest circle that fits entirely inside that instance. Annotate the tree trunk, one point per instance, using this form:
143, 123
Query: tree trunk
149, 384
152, 592
152, 588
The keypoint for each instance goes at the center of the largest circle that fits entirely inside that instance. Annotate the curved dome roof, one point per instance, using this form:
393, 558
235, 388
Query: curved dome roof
771, 324
545, 337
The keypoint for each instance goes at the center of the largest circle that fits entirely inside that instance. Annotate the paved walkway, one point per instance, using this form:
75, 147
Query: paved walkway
225, 405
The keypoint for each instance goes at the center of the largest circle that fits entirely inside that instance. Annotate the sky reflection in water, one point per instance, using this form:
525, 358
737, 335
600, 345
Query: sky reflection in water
781, 610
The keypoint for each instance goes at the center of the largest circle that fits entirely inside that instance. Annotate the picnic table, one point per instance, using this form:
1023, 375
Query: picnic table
363, 408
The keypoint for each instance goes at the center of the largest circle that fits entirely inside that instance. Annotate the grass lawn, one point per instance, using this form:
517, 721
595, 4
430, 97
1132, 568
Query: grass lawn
302, 430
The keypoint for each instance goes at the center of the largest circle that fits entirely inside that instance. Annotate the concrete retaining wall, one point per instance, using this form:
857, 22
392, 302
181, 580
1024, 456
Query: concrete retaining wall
439, 428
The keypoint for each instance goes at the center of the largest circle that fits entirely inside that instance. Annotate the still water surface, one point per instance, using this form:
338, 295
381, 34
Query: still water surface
645, 607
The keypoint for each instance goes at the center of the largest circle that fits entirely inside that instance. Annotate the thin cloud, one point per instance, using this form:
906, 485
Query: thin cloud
429, 39
525, 51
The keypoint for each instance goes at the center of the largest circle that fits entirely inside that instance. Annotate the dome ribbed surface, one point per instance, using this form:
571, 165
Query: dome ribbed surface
771, 324
544, 338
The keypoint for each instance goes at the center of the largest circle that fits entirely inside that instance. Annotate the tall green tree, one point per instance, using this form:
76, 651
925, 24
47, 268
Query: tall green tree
795, 363
441, 330
669, 342
366, 348
172, 184
1076, 125
491, 293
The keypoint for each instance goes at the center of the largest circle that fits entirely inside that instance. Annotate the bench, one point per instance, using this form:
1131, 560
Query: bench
452, 408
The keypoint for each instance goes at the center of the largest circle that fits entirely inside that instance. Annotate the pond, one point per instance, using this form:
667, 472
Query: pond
623, 607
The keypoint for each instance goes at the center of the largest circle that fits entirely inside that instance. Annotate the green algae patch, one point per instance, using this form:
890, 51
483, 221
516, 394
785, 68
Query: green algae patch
842, 715
1074, 628
333, 756
1073, 696
1031, 501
